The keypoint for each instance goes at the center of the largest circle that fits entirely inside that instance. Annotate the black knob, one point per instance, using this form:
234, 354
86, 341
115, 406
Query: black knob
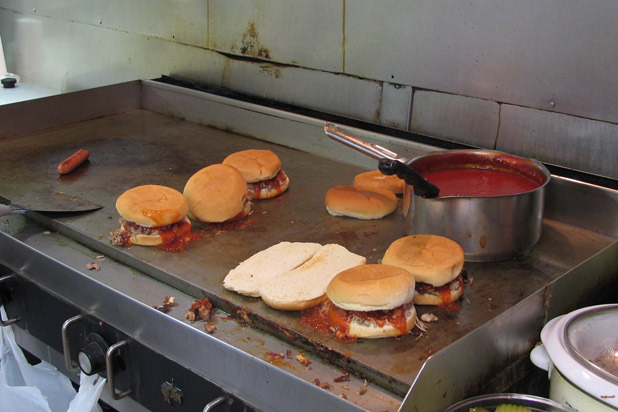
91, 357
8, 82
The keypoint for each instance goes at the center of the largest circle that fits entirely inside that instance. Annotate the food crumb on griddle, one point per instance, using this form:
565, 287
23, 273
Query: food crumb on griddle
168, 302
201, 309
302, 359
93, 266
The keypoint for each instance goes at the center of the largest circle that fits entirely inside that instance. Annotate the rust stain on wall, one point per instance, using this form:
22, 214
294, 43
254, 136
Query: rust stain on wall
251, 45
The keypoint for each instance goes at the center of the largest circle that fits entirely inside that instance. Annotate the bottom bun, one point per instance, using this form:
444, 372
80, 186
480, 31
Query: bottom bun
427, 295
360, 328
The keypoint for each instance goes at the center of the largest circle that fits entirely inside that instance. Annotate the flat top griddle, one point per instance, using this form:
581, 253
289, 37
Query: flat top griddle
143, 147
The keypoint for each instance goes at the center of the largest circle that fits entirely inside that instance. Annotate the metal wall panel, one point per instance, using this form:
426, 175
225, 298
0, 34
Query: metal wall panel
528, 52
184, 21
457, 118
69, 56
395, 105
307, 34
576, 143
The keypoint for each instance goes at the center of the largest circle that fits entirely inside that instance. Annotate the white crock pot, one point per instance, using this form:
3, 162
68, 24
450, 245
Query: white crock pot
580, 352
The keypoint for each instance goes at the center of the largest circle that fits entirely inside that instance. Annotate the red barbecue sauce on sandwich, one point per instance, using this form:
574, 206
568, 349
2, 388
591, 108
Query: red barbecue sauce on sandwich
328, 318
443, 291
479, 182
174, 237
177, 236
271, 184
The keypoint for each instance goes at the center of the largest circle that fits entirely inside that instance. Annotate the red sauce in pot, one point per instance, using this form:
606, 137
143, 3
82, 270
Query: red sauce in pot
479, 182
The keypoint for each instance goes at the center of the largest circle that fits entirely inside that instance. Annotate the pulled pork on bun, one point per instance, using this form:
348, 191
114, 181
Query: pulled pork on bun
367, 301
152, 215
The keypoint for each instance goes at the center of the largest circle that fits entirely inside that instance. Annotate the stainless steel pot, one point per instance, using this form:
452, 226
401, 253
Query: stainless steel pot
488, 228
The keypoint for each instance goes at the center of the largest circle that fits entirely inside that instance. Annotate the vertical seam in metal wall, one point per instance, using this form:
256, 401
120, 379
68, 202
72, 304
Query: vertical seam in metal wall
343, 39
498, 128
208, 25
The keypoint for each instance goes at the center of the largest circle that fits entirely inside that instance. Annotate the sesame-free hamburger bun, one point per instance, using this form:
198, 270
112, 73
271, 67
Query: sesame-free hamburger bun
436, 262
151, 215
377, 179
217, 193
372, 301
262, 171
360, 202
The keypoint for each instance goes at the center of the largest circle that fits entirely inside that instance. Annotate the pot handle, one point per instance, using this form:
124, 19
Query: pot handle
422, 186
540, 358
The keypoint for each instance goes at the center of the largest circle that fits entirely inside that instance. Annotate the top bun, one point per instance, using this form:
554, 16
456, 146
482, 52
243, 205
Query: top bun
216, 193
152, 205
371, 287
360, 202
377, 179
432, 259
255, 165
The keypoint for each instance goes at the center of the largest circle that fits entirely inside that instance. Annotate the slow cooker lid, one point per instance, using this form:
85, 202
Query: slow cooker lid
592, 339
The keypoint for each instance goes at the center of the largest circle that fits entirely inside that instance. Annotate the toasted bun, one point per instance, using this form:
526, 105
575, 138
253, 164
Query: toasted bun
216, 193
455, 291
371, 330
248, 277
431, 259
360, 202
378, 180
371, 287
305, 286
255, 165
152, 205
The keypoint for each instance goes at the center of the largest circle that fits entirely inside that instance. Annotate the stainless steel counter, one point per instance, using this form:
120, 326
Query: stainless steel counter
147, 133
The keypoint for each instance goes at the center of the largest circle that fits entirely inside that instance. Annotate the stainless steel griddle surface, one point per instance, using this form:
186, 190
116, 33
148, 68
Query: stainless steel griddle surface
143, 147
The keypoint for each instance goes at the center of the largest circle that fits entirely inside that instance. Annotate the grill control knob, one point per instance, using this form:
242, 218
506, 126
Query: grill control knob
91, 357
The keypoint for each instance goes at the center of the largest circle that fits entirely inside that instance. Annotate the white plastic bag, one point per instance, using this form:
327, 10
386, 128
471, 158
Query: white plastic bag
40, 388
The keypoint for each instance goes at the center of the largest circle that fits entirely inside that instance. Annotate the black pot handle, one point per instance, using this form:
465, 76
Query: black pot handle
422, 187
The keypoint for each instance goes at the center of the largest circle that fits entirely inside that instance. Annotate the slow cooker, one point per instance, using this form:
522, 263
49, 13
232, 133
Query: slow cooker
580, 352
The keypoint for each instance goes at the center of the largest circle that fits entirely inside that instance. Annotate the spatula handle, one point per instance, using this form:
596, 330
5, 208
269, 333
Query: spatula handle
10, 210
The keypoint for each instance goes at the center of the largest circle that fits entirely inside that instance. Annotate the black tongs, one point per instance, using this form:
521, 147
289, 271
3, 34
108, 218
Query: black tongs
390, 163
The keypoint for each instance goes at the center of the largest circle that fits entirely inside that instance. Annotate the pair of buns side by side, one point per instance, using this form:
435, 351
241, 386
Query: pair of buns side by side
217, 193
360, 202
305, 286
378, 180
248, 277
